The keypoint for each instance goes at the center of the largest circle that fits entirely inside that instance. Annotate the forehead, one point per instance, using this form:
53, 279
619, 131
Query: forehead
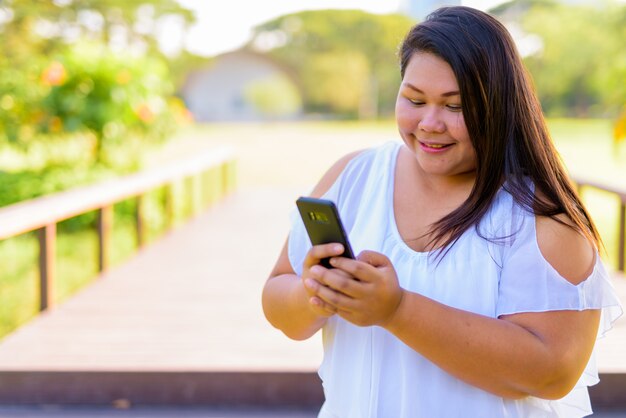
429, 70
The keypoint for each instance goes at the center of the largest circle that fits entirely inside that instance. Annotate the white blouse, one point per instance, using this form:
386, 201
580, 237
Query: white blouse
368, 372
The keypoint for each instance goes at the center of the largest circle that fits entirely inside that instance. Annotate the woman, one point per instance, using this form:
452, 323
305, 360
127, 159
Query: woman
478, 290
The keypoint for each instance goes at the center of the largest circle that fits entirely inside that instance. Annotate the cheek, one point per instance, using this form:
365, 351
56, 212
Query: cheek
406, 117
460, 130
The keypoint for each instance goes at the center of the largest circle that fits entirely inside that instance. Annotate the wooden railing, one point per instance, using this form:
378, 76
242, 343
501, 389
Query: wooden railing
44, 213
620, 192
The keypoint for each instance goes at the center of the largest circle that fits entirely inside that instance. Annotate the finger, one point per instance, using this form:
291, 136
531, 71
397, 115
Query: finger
319, 252
322, 307
357, 269
374, 258
343, 282
337, 300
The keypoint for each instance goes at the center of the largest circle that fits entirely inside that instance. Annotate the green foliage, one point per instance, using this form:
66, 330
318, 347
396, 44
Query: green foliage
581, 70
64, 70
111, 95
343, 78
344, 59
274, 96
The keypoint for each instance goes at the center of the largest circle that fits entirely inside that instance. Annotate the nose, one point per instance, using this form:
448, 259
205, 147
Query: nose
431, 121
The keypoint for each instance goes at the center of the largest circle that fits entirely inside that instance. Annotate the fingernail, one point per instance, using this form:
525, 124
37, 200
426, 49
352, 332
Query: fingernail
338, 248
316, 270
310, 283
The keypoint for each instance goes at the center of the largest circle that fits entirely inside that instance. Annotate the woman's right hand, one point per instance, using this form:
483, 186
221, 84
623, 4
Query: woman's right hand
312, 260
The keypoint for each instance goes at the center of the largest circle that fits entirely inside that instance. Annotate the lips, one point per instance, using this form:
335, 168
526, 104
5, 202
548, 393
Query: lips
434, 146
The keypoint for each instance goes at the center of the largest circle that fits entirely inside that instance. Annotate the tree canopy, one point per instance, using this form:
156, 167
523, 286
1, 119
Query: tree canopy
580, 67
86, 66
345, 59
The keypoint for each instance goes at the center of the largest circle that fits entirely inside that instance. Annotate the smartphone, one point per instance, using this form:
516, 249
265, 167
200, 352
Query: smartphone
323, 225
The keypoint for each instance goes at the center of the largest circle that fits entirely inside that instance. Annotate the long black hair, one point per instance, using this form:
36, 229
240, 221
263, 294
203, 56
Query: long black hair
504, 121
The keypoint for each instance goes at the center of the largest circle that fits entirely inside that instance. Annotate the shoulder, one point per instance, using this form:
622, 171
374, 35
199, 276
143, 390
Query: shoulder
333, 173
357, 163
565, 248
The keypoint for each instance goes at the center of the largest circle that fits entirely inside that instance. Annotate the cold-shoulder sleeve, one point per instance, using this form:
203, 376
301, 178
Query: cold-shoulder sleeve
528, 283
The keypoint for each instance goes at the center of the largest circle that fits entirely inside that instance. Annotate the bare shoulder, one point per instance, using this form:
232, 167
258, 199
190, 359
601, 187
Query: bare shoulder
333, 173
565, 248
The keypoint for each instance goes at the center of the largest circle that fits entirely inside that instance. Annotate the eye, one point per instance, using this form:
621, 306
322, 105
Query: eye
454, 107
415, 102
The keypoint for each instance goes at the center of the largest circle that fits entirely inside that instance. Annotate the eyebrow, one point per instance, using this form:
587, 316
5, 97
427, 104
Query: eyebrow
446, 94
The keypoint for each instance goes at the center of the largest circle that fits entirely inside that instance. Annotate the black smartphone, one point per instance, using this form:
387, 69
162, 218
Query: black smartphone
322, 223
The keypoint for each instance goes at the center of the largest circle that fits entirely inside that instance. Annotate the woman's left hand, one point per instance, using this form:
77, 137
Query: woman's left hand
369, 294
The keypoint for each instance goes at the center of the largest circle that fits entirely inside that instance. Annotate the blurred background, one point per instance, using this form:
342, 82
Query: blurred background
91, 89
96, 89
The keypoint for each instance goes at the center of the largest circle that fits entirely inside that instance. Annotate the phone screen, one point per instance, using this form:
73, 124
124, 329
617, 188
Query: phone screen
323, 225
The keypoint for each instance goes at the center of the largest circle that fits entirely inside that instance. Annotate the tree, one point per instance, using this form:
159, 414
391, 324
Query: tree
111, 95
85, 65
582, 67
344, 58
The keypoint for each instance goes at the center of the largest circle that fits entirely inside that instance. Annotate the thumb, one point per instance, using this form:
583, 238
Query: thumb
374, 259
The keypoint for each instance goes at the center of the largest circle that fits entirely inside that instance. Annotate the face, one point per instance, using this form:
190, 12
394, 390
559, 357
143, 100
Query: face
430, 118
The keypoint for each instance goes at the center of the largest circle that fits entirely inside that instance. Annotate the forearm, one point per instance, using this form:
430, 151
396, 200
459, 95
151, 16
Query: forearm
286, 307
496, 355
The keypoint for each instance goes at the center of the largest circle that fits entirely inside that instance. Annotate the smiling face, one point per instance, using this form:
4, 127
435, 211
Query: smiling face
430, 118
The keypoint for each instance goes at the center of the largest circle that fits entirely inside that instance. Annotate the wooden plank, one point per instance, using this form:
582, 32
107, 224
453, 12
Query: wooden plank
169, 205
105, 225
47, 265
140, 224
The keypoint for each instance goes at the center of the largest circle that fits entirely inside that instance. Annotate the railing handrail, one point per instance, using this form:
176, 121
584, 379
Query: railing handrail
44, 213
36, 213
619, 191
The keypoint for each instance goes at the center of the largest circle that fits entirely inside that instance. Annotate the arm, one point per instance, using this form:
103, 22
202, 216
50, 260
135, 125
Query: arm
540, 354
286, 302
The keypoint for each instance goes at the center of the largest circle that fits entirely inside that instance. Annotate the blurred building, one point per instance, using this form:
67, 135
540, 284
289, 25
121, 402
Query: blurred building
242, 86
419, 9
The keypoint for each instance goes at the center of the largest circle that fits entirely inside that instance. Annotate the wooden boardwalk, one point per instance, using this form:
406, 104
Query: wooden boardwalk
187, 305
181, 323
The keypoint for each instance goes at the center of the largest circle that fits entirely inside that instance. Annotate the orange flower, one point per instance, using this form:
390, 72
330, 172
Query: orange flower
184, 116
56, 124
144, 113
54, 75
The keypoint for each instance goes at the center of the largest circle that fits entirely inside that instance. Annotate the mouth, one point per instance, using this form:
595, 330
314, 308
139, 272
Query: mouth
434, 146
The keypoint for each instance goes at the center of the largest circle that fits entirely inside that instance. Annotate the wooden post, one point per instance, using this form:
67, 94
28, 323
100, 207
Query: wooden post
622, 238
206, 188
228, 176
47, 265
105, 223
196, 194
140, 221
169, 206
